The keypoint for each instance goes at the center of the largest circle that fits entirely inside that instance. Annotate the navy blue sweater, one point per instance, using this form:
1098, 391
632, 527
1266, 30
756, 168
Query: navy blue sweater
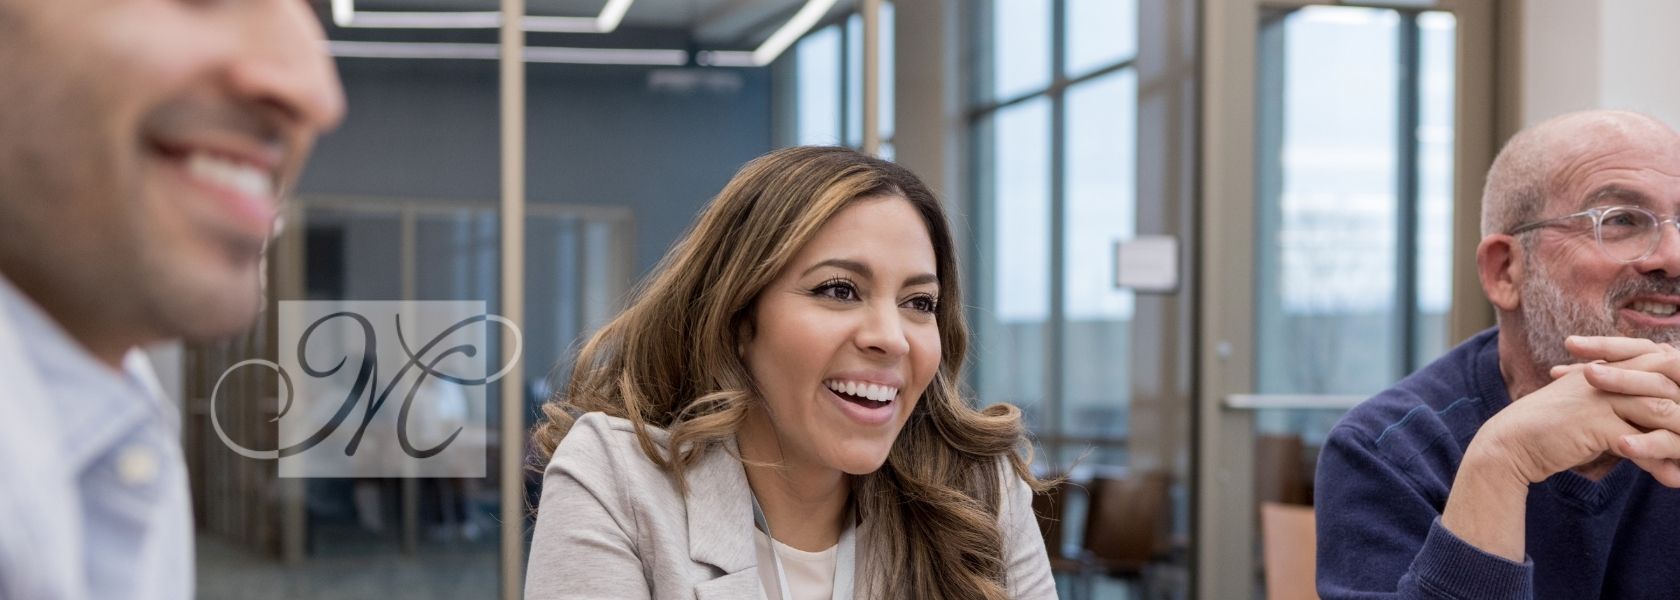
1383, 479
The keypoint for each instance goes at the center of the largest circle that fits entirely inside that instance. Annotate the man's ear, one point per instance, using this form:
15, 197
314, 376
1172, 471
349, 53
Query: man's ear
1499, 262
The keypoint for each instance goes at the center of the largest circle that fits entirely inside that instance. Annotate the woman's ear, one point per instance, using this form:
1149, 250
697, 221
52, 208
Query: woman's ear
743, 336
1499, 263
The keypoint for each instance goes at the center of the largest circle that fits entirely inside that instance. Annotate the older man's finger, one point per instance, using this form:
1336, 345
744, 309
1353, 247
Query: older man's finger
1562, 371
1631, 381
1612, 349
1655, 452
1666, 472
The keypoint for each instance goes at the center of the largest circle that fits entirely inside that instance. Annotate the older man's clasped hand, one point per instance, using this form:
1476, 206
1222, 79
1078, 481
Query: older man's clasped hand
1623, 400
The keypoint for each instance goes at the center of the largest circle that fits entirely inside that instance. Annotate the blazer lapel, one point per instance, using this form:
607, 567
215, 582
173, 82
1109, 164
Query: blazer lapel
734, 586
720, 524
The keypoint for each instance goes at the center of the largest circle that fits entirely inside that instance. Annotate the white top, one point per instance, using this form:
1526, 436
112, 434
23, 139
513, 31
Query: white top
810, 575
93, 486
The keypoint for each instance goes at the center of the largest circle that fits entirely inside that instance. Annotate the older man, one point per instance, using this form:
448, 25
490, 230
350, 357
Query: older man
1444, 486
142, 147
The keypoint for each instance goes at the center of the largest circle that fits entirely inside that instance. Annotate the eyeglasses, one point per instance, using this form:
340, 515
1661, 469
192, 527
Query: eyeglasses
1625, 233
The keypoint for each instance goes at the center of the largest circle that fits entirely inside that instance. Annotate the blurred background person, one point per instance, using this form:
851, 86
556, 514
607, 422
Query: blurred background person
143, 152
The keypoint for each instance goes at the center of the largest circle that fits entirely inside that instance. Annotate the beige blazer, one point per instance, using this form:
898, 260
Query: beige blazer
612, 525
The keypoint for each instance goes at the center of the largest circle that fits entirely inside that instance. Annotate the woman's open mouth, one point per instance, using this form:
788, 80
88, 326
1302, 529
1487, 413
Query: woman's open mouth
868, 403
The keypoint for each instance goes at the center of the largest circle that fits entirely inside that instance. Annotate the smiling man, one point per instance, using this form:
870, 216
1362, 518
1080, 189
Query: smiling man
143, 146
1508, 469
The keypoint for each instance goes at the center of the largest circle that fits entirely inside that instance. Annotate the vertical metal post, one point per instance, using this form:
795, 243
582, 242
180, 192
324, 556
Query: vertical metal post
513, 294
409, 487
1055, 372
871, 76
1406, 194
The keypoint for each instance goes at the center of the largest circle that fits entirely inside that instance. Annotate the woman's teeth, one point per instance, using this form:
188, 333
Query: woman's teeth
1661, 309
867, 391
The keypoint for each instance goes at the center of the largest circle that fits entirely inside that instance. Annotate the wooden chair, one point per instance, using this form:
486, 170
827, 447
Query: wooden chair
1125, 528
1289, 540
1280, 470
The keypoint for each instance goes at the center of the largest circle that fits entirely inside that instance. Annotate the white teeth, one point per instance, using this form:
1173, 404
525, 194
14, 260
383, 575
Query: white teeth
240, 177
1660, 309
878, 393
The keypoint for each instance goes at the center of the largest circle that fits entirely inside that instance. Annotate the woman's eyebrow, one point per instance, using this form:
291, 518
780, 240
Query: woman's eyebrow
924, 278
843, 263
868, 273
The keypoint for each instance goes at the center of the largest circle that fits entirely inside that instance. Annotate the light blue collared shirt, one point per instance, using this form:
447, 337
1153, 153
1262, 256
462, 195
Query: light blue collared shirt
93, 487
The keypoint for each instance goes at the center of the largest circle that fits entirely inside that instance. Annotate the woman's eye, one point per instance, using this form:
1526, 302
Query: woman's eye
837, 291
923, 304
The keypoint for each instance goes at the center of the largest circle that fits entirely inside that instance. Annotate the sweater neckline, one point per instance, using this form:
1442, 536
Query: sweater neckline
1590, 496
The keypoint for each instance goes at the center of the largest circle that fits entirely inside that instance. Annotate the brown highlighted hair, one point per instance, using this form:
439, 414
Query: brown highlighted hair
669, 360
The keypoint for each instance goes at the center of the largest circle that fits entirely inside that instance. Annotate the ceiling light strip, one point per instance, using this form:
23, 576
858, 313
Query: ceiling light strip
791, 31
345, 15
533, 54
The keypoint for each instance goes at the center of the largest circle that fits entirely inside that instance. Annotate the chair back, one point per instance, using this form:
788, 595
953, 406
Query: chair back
1127, 518
1048, 507
1290, 541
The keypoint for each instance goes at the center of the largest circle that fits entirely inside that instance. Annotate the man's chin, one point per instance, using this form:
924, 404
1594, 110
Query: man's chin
208, 308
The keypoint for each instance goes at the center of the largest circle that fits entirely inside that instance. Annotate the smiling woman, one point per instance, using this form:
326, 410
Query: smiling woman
777, 412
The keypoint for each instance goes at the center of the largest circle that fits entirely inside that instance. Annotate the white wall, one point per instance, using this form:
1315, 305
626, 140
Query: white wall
1580, 54
1639, 49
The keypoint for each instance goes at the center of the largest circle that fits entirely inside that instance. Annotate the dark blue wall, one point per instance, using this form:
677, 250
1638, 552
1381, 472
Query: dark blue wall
596, 135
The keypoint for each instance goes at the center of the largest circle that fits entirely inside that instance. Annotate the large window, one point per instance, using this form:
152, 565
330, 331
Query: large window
1055, 129
1355, 156
828, 84
1355, 196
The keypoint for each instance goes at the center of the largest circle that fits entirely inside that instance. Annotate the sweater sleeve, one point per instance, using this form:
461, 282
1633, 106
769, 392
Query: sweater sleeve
1380, 536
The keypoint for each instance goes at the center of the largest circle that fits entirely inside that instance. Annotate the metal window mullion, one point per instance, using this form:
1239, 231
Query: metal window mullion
976, 16
1407, 192
845, 30
1057, 85
869, 138
1055, 357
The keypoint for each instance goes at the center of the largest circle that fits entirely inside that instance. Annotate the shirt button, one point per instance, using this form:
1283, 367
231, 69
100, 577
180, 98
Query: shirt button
137, 465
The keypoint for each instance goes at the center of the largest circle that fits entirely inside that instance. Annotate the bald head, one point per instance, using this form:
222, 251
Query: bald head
1538, 163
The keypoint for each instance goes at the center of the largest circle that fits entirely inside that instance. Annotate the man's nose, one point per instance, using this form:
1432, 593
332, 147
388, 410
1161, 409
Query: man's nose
284, 65
1665, 258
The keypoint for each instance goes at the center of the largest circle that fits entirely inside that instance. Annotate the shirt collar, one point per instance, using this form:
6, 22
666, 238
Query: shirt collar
94, 405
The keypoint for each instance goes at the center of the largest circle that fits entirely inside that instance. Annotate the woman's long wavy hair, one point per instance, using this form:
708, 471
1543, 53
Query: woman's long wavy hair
930, 514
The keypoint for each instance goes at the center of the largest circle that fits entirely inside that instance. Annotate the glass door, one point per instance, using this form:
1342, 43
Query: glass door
1348, 176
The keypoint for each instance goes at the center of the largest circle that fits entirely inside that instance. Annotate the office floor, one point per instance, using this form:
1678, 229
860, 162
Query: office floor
435, 571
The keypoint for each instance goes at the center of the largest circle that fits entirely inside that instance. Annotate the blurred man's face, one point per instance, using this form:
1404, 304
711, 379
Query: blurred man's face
143, 144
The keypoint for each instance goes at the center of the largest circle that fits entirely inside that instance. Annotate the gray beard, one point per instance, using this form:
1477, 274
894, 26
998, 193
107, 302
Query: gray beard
1549, 316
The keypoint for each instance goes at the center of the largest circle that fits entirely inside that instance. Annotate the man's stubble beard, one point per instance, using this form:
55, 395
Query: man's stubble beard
1549, 316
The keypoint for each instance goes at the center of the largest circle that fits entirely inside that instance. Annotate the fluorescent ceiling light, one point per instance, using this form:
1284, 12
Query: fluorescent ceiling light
345, 15
791, 31
534, 54
778, 42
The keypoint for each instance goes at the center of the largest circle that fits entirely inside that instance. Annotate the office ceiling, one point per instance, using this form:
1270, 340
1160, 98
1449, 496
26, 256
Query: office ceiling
728, 22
